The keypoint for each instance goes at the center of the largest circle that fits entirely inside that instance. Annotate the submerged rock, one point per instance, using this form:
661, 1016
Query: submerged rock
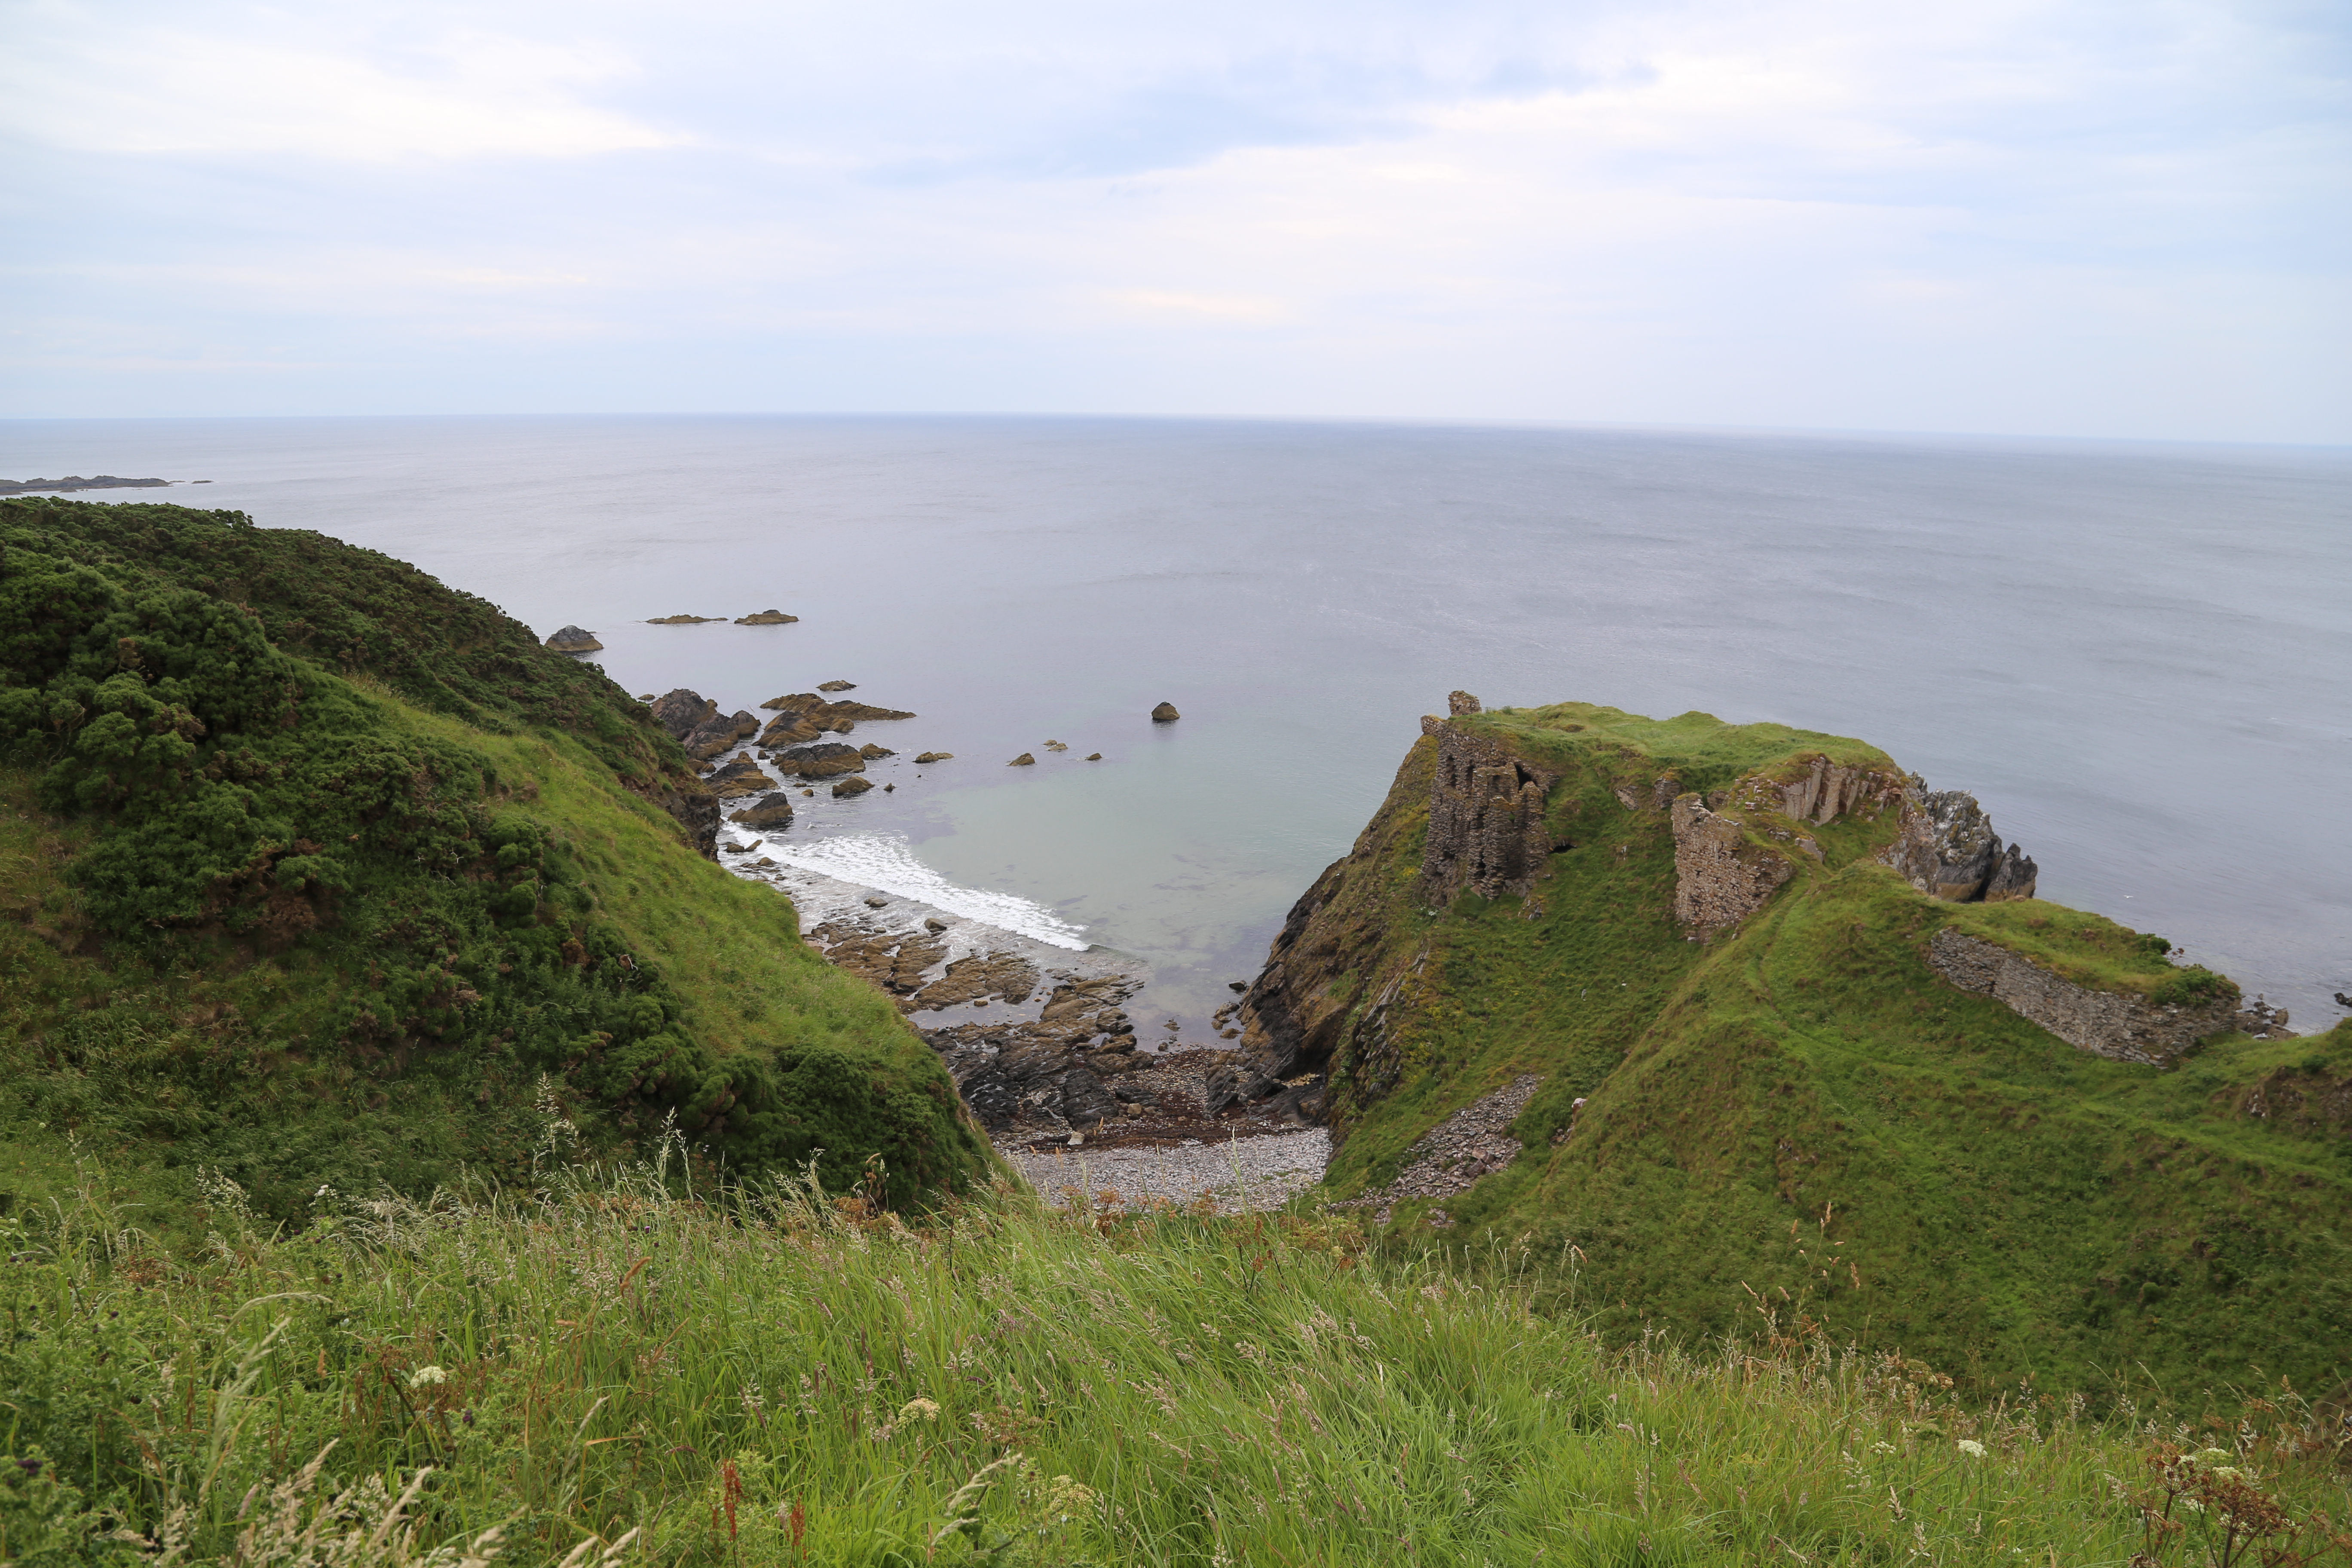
571, 639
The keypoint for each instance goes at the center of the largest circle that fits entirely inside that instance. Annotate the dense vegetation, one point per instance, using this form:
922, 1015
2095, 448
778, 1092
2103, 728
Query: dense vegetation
1805, 1109
773, 1378
318, 871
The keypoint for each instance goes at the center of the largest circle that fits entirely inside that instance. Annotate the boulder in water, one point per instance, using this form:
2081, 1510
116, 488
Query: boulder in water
1023, 760
772, 810
836, 686
851, 788
766, 618
821, 762
571, 639
1165, 714
933, 757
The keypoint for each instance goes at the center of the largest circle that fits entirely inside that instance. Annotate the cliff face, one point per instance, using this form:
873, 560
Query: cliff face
1720, 978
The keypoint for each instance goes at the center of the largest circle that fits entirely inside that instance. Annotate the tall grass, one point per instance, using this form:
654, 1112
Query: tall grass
614, 1369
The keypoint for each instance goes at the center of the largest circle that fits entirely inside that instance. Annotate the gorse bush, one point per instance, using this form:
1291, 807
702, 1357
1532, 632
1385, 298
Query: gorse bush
613, 1367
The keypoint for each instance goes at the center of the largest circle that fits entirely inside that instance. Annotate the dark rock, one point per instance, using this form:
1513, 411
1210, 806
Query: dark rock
1084, 1097
1093, 756
682, 712
821, 762
1165, 714
773, 809
717, 734
1946, 848
851, 788
1023, 760
789, 730
697, 811
766, 618
571, 639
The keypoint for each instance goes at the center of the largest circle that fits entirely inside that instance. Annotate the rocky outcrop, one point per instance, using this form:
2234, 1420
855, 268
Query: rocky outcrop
1946, 848
851, 788
683, 620
2106, 1023
836, 686
738, 778
773, 809
717, 734
696, 811
766, 618
933, 757
1487, 831
1721, 876
571, 639
681, 712
821, 762
789, 730
827, 715
873, 753
77, 482
1165, 714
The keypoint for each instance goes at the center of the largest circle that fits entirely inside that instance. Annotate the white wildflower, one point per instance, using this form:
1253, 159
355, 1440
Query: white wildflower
917, 1409
424, 1375
1971, 1447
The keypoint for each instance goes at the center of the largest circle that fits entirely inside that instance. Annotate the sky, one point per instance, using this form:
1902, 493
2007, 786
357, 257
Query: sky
2065, 218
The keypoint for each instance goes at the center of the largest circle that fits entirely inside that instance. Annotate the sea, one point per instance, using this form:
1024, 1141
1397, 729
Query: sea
2138, 657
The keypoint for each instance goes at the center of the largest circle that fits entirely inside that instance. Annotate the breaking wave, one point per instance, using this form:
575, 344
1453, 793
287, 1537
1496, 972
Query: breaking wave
884, 863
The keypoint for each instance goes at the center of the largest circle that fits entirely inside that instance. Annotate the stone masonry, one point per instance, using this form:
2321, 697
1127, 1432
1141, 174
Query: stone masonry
1486, 826
2105, 1023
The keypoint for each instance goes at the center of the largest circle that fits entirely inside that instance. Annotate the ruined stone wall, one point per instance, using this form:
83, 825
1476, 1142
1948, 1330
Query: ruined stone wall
1720, 878
1486, 826
2106, 1023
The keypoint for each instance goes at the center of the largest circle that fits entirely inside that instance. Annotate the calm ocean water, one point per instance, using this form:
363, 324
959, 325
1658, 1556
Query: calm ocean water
2140, 658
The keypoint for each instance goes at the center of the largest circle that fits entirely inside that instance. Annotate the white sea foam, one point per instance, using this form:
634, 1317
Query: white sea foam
884, 863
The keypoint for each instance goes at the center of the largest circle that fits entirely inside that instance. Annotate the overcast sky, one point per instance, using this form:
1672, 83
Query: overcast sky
2067, 218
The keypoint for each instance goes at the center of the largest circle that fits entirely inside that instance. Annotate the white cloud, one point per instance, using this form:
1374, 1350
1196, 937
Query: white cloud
158, 90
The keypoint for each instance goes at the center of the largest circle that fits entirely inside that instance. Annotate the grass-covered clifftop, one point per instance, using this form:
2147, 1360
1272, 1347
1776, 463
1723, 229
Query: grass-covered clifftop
314, 870
1802, 1108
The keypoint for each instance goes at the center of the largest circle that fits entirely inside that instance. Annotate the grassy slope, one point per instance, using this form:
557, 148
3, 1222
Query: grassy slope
400, 1028
785, 1381
1805, 1105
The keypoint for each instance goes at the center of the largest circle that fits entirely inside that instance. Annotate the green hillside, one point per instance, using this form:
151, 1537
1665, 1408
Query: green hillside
1800, 1108
314, 871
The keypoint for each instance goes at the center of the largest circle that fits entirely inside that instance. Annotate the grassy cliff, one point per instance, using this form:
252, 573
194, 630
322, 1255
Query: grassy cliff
315, 871
1800, 1108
